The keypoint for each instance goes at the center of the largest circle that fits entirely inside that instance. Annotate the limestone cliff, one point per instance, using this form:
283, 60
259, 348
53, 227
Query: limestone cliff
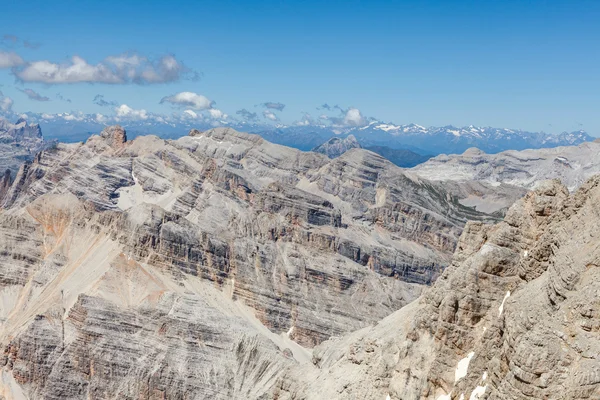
203, 267
516, 316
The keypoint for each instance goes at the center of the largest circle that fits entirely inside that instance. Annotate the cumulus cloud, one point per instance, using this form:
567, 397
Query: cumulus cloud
306, 120
10, 59
121, 69
190, 114
346, 118
33, 95
270, 115
188, 99
354, 117
247, 115
274, 106
5, 103
217, 114
100, 118
99, 100
72, 117
124, 112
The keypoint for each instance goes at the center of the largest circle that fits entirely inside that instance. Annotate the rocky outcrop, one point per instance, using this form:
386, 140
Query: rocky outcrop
115, 136
208, 266
205, 266
514, 317
573, 165
336, 146
19, 143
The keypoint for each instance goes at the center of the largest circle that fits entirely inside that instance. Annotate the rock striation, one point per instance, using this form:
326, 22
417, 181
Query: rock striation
515, 316
573, 165
115, 136
337, 146
203, 267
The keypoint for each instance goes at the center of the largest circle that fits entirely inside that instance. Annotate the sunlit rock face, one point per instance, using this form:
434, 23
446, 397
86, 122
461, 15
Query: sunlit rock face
515, 316
204, 267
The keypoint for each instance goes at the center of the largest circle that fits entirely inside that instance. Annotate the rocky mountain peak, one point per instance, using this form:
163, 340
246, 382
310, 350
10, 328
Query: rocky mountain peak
115, 135
337, 146
473, 152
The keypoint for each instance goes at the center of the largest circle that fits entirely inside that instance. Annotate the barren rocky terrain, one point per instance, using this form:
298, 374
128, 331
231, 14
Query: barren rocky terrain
516, 316
221, 266
573, 165
218, 250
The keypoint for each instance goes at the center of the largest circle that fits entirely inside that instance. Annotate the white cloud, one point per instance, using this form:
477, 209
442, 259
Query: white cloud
305, 121
10, 59
72, 117
188, 99
190, 113
121, 69
217, 114
270, 115
167, 69
124, 112
354, 117
101, 119
6, 103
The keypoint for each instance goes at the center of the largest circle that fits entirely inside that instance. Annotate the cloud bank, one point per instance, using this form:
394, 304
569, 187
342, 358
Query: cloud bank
124, 112
10, 60
121, 69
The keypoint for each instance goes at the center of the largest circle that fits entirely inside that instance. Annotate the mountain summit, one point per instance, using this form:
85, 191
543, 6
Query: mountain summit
336, 146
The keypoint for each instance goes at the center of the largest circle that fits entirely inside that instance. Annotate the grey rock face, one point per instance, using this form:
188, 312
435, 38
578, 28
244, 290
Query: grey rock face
335, 147
19, 143
514, 317
115, 136
573, 165
199, 267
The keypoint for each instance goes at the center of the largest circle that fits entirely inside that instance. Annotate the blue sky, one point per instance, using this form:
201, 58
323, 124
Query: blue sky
519, 64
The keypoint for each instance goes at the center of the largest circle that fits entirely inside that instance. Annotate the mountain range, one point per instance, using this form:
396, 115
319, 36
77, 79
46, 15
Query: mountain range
19, 142
220, 265
337, 146
572, 165
416, 138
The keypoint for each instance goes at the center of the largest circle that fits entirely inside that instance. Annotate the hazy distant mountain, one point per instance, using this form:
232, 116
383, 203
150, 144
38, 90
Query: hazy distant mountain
401, 157
416, 138
19, 142
337, 146
450, 139
573, 165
